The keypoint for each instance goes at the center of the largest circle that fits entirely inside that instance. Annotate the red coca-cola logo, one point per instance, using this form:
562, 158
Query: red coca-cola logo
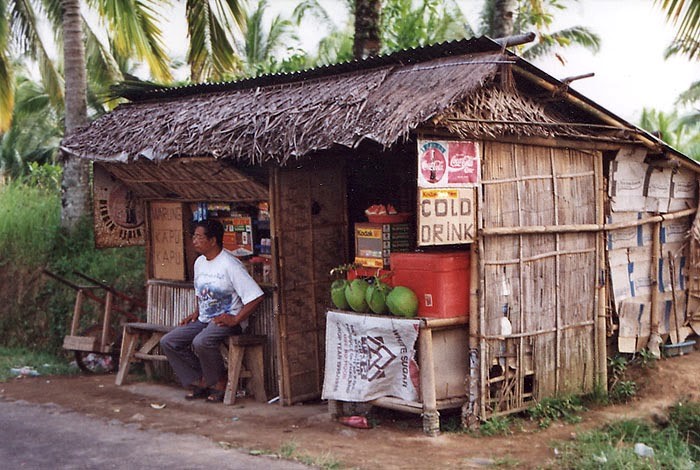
433, 164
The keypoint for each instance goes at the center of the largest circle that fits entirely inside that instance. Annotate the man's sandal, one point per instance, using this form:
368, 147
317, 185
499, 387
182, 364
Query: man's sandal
216, 396
197, 392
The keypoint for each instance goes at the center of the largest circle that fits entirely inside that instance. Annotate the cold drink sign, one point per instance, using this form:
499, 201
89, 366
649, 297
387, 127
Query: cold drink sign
447, 164
446, 216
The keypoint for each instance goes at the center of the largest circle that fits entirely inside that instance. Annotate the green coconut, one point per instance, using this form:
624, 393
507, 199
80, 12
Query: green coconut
402, 301
338, 294
355, 294
376, 297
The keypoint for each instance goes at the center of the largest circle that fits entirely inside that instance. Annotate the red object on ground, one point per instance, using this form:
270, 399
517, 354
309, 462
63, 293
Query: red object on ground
440, 281
359, 422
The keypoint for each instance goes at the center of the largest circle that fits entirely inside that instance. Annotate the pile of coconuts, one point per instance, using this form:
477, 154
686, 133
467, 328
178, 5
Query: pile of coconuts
372, 295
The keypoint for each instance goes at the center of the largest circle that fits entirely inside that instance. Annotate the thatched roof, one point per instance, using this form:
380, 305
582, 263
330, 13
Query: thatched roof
281, 117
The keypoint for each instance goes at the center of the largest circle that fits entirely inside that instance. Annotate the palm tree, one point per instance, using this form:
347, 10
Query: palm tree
681, 133
367, 39
260, 49
211, 25
406, 24
686, 15
505, 18
35, 131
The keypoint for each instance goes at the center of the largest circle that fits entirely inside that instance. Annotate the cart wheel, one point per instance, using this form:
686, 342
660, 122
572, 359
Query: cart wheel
97, 363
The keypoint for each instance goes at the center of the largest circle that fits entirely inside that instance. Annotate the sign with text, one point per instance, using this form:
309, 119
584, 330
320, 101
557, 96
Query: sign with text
369, 357
446, 216
448, 164
167, 249
118, 214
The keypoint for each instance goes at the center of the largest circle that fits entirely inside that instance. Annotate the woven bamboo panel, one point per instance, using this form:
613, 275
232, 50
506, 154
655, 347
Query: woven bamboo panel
544, 282
311, 233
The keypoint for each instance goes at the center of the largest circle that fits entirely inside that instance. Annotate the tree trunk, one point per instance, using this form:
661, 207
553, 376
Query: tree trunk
367, 41
75, 188
503, 18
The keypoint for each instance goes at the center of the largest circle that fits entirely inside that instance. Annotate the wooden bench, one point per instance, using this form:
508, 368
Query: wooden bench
243, 355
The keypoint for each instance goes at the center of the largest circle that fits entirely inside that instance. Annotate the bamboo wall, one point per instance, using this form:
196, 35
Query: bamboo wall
544, 282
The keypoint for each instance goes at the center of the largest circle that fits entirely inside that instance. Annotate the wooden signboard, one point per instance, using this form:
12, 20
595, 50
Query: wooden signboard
167, 249
118, 214
446, 216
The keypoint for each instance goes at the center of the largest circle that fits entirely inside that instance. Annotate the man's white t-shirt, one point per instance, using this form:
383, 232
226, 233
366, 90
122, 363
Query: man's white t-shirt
222, 285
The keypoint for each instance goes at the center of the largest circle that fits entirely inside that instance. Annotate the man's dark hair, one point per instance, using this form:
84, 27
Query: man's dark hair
212, 229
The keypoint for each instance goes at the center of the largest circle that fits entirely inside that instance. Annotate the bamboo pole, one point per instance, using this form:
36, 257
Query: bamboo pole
469, 409
482, 394
654, 338
535, 229
600, 297
431, 417
557, 266
542, 332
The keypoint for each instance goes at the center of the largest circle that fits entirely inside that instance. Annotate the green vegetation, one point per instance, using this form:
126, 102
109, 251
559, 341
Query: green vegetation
496, 426
614, 447
36, 311
548, 410
42, 363
621, 389
288, 451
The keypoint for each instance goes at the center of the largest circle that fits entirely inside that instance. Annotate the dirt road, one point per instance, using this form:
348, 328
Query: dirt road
48, 437
305, 431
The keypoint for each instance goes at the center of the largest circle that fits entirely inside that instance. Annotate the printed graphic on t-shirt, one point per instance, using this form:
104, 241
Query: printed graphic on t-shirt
214, 302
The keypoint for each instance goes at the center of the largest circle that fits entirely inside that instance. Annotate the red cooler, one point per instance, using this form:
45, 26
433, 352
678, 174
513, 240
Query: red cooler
440, 280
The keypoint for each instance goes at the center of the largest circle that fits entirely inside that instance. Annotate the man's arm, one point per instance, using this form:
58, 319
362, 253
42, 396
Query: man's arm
191, 317
231, 320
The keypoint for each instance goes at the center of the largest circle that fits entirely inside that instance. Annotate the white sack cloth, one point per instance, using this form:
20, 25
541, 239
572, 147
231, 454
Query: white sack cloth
368, 357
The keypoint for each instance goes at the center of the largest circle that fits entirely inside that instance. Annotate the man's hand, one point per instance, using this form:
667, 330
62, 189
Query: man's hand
225, 320
189, 318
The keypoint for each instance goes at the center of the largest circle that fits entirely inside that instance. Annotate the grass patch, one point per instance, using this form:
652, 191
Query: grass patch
289, 451
548, 410
43, 363
613, 447
37, 310
29, 217
496, 426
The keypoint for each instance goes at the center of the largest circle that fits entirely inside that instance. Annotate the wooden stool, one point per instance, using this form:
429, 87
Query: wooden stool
148, 335
248, 350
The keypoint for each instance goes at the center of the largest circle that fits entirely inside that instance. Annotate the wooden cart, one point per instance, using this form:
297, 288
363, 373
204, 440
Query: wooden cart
103, 337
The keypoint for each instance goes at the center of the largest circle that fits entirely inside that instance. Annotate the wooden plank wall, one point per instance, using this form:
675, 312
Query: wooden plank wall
544, 282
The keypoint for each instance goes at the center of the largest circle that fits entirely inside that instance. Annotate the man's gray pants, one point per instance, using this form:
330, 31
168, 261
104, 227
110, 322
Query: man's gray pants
193, 351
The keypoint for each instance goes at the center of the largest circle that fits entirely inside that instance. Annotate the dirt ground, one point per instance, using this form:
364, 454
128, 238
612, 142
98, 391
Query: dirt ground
396, 441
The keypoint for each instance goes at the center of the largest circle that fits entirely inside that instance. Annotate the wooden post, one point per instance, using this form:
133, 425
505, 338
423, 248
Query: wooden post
105, 324
600, 299
470, 409
76, 313
431, 416
654, 338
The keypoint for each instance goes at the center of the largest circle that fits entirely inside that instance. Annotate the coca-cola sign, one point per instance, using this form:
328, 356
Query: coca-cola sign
448, 164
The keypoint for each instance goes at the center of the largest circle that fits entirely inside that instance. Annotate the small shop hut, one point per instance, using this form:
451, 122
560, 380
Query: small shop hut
577, 225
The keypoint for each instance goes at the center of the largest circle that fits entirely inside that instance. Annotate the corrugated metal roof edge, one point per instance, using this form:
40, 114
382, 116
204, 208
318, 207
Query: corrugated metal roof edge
651, 140
408, 56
